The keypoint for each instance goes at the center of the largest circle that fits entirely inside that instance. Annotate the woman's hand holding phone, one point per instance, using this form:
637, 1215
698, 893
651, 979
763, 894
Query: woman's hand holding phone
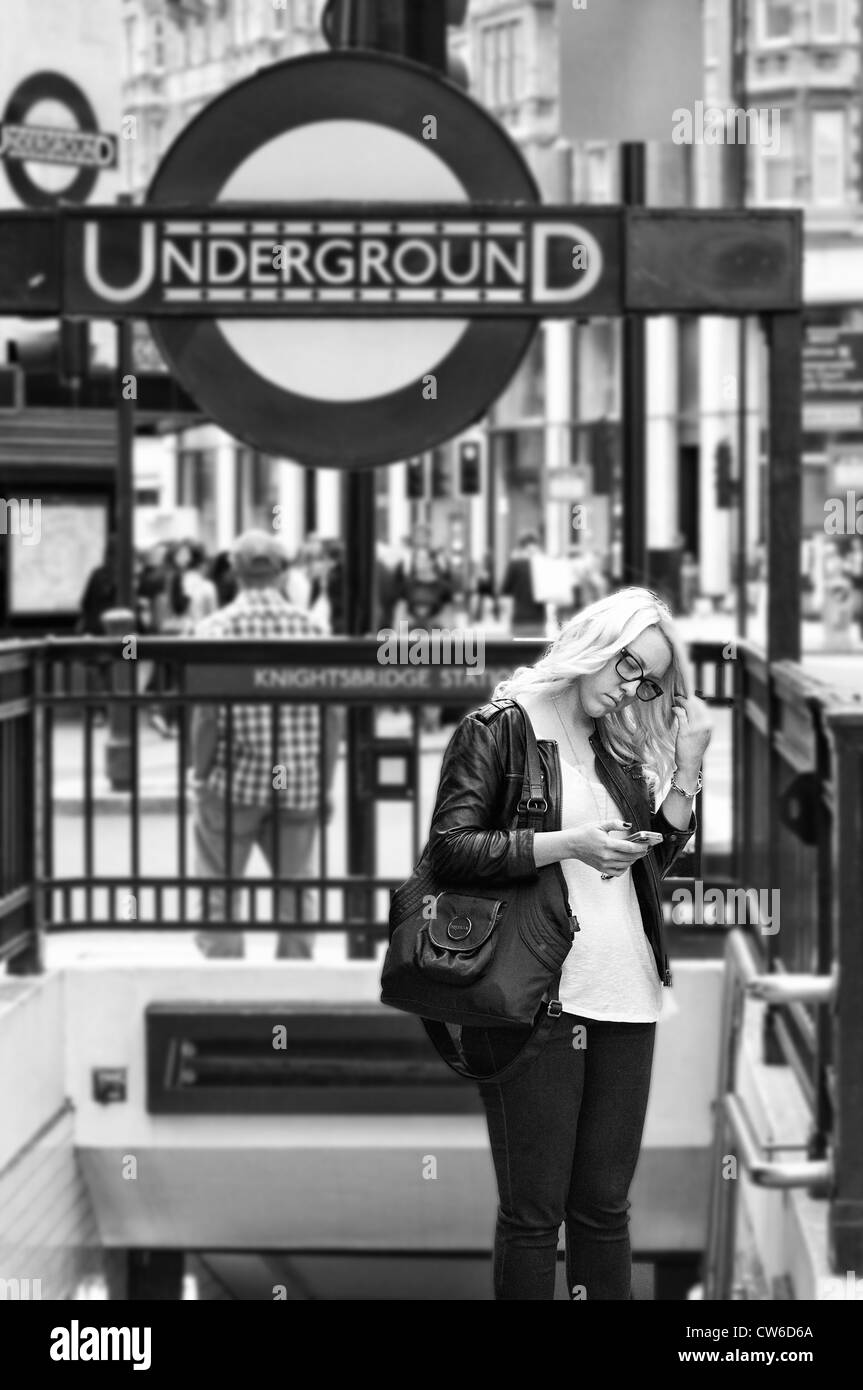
646, 837
598, 845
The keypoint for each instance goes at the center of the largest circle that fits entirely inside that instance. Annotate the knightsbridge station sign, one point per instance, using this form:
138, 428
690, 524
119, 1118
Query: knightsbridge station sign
457, 262
46, 145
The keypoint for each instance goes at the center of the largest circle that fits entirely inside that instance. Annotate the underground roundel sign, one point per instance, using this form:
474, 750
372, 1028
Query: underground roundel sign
80, 146
376, 333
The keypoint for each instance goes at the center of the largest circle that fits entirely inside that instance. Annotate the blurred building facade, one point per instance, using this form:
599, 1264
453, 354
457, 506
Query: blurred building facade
178, 56
798, 62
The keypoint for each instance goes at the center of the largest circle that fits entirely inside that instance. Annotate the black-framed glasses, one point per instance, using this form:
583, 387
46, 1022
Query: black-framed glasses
629, 669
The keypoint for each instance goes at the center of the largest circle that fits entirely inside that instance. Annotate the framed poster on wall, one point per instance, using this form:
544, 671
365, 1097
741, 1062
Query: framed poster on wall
53, 554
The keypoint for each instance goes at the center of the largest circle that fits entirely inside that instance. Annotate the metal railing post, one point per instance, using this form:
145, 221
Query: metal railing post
118, 622
844, 728
20, 790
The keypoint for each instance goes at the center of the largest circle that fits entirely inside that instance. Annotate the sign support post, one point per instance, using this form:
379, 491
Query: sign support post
738, 21
358, 578
124, 522
121, 618
633, 397
424, 40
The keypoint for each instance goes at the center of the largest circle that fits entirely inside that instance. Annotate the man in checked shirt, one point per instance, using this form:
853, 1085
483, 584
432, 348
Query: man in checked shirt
275, 800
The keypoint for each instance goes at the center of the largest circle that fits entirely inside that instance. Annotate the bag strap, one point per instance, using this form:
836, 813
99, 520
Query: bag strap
533, 806
532, 1046
532, 810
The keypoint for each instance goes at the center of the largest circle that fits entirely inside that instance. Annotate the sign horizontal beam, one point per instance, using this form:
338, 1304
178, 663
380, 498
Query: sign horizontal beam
714, 261
30, 267
397, 260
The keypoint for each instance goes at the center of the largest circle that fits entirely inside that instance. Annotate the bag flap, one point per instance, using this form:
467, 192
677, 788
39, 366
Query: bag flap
462, 922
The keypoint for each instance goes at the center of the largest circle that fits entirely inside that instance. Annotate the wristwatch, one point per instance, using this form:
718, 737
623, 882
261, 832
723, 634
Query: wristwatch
675, 785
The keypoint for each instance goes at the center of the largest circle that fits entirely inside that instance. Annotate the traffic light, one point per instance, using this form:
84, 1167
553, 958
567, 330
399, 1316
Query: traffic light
470, 471
441, 476
725, 485
416, 479
604, 453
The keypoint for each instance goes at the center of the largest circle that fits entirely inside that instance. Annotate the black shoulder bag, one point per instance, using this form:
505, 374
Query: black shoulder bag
485, 955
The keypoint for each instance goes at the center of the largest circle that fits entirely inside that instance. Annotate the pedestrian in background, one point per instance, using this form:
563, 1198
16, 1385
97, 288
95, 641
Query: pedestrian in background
100, 594
223, 578
152, 587
276, 807
524, 615
423, 583
194, 597
304, 581
483, 607
335, 585
386, 587
172, 610
424, 590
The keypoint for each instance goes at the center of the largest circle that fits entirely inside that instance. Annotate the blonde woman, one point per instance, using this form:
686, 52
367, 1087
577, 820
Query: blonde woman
621, 739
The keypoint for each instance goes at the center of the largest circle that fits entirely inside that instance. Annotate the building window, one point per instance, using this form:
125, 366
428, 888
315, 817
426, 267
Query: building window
253, 20
709, 31
154, 143
828, 158
158, 45
502, 63
131, 46
775, 171
777, 18
197, 488
599, 171
827, 20
524, 397
257, 481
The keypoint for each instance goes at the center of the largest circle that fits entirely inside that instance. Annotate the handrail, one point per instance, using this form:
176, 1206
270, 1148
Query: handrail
783, 1173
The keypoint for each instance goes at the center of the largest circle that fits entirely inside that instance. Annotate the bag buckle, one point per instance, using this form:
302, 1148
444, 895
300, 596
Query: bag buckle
533, 805
555, 1008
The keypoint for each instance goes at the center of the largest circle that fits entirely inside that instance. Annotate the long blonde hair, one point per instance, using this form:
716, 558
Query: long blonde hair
589, 640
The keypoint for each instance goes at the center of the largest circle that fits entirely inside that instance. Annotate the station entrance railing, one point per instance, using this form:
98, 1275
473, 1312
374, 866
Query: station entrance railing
788, 835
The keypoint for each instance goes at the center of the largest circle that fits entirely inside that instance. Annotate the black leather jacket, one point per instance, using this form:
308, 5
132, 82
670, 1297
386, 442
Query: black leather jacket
480, 786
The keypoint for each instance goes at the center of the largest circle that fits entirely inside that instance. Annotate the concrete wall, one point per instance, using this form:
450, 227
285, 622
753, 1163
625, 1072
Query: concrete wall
49, 1242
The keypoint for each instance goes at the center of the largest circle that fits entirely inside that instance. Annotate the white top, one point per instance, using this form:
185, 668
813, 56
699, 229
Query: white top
610, 971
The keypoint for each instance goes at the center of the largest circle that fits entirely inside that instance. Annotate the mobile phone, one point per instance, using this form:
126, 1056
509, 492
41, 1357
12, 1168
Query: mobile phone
646, 837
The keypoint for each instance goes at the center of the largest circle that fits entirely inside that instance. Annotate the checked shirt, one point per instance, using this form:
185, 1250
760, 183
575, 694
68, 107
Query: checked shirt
255, 763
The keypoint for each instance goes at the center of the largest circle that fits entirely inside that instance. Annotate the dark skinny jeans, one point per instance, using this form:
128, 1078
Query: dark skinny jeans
565, 1136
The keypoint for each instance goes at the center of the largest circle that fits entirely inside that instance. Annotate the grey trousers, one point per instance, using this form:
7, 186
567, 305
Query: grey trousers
251, 825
